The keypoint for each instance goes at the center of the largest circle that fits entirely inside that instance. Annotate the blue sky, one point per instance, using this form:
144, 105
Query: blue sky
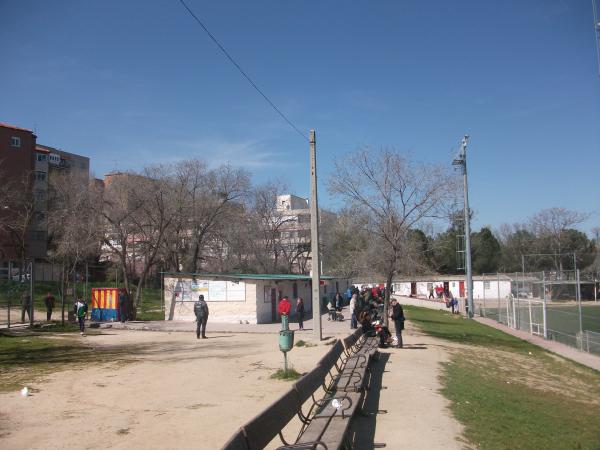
130, 83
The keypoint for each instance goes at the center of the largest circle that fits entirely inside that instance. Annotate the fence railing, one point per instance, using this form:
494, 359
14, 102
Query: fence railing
556, 306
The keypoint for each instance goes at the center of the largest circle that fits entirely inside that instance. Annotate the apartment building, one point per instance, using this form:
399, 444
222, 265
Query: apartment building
26, 171
295, 231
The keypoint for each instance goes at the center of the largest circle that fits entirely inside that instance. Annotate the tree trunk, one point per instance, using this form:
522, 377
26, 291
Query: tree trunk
386, 302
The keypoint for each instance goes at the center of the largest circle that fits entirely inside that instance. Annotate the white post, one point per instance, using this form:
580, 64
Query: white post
484, 314
578, 297
314, 240
530, 317
544, 306
498, 289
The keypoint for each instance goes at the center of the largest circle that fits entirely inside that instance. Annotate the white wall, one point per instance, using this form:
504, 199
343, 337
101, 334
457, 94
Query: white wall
222, 311
492, 291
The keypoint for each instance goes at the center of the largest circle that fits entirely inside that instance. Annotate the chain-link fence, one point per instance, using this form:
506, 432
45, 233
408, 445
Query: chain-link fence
560, 306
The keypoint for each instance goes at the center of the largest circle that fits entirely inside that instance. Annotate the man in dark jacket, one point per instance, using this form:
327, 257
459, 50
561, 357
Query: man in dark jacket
49, 302
398, 318
201, 312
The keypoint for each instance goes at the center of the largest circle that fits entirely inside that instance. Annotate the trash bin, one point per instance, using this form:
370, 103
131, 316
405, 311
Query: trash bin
286, 340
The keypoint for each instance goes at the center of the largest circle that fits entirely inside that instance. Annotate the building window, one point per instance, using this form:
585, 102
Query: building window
41, 157
486, 285
40, 196
39, 176
15, 141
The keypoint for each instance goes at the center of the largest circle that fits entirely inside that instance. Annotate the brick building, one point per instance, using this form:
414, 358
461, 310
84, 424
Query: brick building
26, 170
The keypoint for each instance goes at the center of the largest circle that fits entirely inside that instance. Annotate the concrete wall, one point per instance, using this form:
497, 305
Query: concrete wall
220, 311
423, 303
257, 308
492, 292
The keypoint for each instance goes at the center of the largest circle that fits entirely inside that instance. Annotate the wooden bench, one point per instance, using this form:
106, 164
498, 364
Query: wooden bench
342, 375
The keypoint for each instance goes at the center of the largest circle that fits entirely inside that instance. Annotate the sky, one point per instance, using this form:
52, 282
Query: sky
130, 83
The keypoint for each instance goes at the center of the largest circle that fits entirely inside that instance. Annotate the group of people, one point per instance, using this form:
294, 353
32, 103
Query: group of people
285, 307
334, 307
444, 293
366, 308
80, 307
49, 302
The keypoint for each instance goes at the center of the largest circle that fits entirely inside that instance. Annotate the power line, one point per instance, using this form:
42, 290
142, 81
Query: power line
214, 39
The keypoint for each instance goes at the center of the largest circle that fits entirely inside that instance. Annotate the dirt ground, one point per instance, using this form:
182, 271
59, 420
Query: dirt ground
179, 392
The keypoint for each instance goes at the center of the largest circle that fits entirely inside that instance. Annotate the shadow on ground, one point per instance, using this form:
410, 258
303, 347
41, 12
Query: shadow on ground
363, 426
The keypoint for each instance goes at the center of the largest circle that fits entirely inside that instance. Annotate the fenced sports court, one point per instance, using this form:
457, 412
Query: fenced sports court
563, 306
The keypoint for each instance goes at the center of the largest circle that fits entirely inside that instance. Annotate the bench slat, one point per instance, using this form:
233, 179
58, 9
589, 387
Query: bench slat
350, 403
236, 442
265, 426
329, 431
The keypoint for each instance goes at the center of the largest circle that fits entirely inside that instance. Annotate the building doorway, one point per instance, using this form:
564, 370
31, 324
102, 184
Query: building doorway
413, 289
461, 288
273, 304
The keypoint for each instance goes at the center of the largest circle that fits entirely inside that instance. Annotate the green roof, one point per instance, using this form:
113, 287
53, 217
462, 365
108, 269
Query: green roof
251, 276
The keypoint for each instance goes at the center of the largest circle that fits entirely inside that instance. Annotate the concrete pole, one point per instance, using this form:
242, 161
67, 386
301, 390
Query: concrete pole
314, 240
469, 271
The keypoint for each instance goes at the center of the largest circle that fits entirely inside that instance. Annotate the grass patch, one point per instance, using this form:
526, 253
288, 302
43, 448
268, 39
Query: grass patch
509, 393
288, 375
56, 327
27, 357
10, 291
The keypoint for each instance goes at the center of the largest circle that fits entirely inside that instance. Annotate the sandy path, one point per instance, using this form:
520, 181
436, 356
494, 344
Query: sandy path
417, 414
187, 393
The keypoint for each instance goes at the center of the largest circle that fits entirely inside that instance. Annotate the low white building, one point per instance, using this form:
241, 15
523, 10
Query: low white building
483, 286
251, 298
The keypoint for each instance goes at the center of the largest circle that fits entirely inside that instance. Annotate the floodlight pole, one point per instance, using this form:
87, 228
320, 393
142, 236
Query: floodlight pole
461, 161
314, 240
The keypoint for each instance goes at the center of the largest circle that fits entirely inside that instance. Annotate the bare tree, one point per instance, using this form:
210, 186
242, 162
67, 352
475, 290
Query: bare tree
74, 232
210, 197
394, 195
17, 213
552, 225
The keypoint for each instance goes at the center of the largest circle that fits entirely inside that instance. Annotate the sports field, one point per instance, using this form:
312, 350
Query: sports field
562, 319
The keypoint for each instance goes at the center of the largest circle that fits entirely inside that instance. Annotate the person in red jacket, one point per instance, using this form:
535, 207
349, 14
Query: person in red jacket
284, 306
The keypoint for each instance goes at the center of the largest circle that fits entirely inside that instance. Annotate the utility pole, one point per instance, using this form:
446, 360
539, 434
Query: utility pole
314, 240
461, 161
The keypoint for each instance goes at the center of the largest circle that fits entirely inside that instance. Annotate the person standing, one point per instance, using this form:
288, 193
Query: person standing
25, 306
123, 305
352, 307
201, 312
338, 301
300, 313
398, 318
284, 306
80, 311
431, 293
49, 302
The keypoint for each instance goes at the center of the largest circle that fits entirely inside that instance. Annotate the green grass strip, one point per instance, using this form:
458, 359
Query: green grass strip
510, 394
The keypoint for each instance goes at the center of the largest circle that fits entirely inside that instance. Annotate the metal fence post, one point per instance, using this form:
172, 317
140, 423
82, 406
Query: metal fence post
530, 317
8, 306
578, 296
498, 289
544, 305
484, 313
